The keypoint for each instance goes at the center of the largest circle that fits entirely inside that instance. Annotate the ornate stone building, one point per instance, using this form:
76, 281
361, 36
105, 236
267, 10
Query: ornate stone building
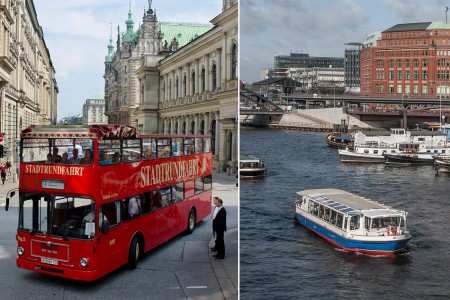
28, 89
161, 84
94, 111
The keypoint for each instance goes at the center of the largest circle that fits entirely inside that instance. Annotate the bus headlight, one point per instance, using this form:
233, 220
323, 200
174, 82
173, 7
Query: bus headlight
20, 250
83, 262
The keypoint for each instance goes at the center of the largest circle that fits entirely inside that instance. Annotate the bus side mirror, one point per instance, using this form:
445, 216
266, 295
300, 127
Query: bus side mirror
11, 194
105, 227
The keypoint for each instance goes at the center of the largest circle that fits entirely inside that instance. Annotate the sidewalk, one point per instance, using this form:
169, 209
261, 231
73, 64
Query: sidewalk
226, 270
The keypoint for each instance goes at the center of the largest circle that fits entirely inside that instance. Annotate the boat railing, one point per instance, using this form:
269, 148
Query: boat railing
375, 146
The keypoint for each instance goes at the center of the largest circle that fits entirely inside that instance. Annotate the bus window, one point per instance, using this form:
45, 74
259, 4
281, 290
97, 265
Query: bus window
155, 199
166, 194
111, 212
109, 151
149, 148
177, 146
178, 192
188, 146
206, 145
131, 150
198, 185
133, 206
164, 148
198, 145
207, 182
55, 215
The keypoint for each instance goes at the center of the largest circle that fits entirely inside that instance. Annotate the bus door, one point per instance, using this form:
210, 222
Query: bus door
112, 244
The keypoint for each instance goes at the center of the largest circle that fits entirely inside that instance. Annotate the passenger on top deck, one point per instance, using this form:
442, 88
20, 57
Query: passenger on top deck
102, 160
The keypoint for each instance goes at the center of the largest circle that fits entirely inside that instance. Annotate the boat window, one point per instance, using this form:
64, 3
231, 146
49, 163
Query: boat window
333, 219
345, 222
366, 151
339, 219
375, 151
367, 223
385, 222
326, 215
354, 222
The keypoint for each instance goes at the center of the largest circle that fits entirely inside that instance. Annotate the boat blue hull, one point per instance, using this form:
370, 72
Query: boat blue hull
354, 245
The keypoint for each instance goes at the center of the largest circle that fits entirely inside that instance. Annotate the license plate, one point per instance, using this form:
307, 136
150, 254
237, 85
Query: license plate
49, 261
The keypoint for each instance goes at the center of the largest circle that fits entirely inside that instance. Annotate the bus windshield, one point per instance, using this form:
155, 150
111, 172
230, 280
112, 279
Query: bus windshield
57, 150
57, 215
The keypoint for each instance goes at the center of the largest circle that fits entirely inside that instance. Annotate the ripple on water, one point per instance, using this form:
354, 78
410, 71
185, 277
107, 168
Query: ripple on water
279, 259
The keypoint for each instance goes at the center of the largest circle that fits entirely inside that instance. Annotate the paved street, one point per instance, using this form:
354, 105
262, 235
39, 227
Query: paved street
180, 269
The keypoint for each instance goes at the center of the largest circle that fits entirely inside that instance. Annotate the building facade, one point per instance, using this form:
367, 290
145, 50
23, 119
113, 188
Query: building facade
94, 111
351, 65
303, 60
409, 60
311, 78
176, 87
28, 89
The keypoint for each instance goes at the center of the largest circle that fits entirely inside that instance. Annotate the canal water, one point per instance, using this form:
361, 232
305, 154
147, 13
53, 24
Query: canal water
282, 260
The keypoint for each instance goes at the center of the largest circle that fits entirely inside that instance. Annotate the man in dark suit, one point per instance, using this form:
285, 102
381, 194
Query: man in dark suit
219, 227
214, 214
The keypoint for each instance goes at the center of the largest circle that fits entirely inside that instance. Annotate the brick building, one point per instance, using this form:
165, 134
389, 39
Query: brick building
409, 60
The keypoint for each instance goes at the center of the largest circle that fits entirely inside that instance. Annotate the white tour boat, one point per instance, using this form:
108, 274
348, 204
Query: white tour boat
351, 222
372, 146
251, 167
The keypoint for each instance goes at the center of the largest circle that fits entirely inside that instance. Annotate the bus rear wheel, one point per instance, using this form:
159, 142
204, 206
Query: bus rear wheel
133, 253
191, 222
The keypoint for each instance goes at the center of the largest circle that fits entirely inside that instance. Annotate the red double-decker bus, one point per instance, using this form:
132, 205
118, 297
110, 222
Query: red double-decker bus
94, 198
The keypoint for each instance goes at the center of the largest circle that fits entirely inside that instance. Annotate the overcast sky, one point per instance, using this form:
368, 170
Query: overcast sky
77, 33
319, 27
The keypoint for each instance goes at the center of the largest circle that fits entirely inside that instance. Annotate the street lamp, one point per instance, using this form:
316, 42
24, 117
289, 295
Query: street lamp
17, 161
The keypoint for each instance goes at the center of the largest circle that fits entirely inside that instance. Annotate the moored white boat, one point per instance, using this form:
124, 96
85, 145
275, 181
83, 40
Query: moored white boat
372, 147
442, 163
351, 222
426, 158
251, 167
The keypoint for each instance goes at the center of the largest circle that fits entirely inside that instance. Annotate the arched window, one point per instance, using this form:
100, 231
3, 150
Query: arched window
203, 80
176, 127
193, 83
213, 137
230, 146
170, 90
184, 128
176, 88
202, 127
234, 60
184, 86
214, 77
193, 127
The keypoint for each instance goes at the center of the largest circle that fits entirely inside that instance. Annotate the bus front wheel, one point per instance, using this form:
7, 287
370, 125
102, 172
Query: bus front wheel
133, 253
191, 222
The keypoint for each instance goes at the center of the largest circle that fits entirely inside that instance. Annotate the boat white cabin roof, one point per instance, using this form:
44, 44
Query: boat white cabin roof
349, 203
248, 158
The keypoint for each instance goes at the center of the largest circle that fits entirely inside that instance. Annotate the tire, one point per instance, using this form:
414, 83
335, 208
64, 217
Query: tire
134, 253
191, 222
